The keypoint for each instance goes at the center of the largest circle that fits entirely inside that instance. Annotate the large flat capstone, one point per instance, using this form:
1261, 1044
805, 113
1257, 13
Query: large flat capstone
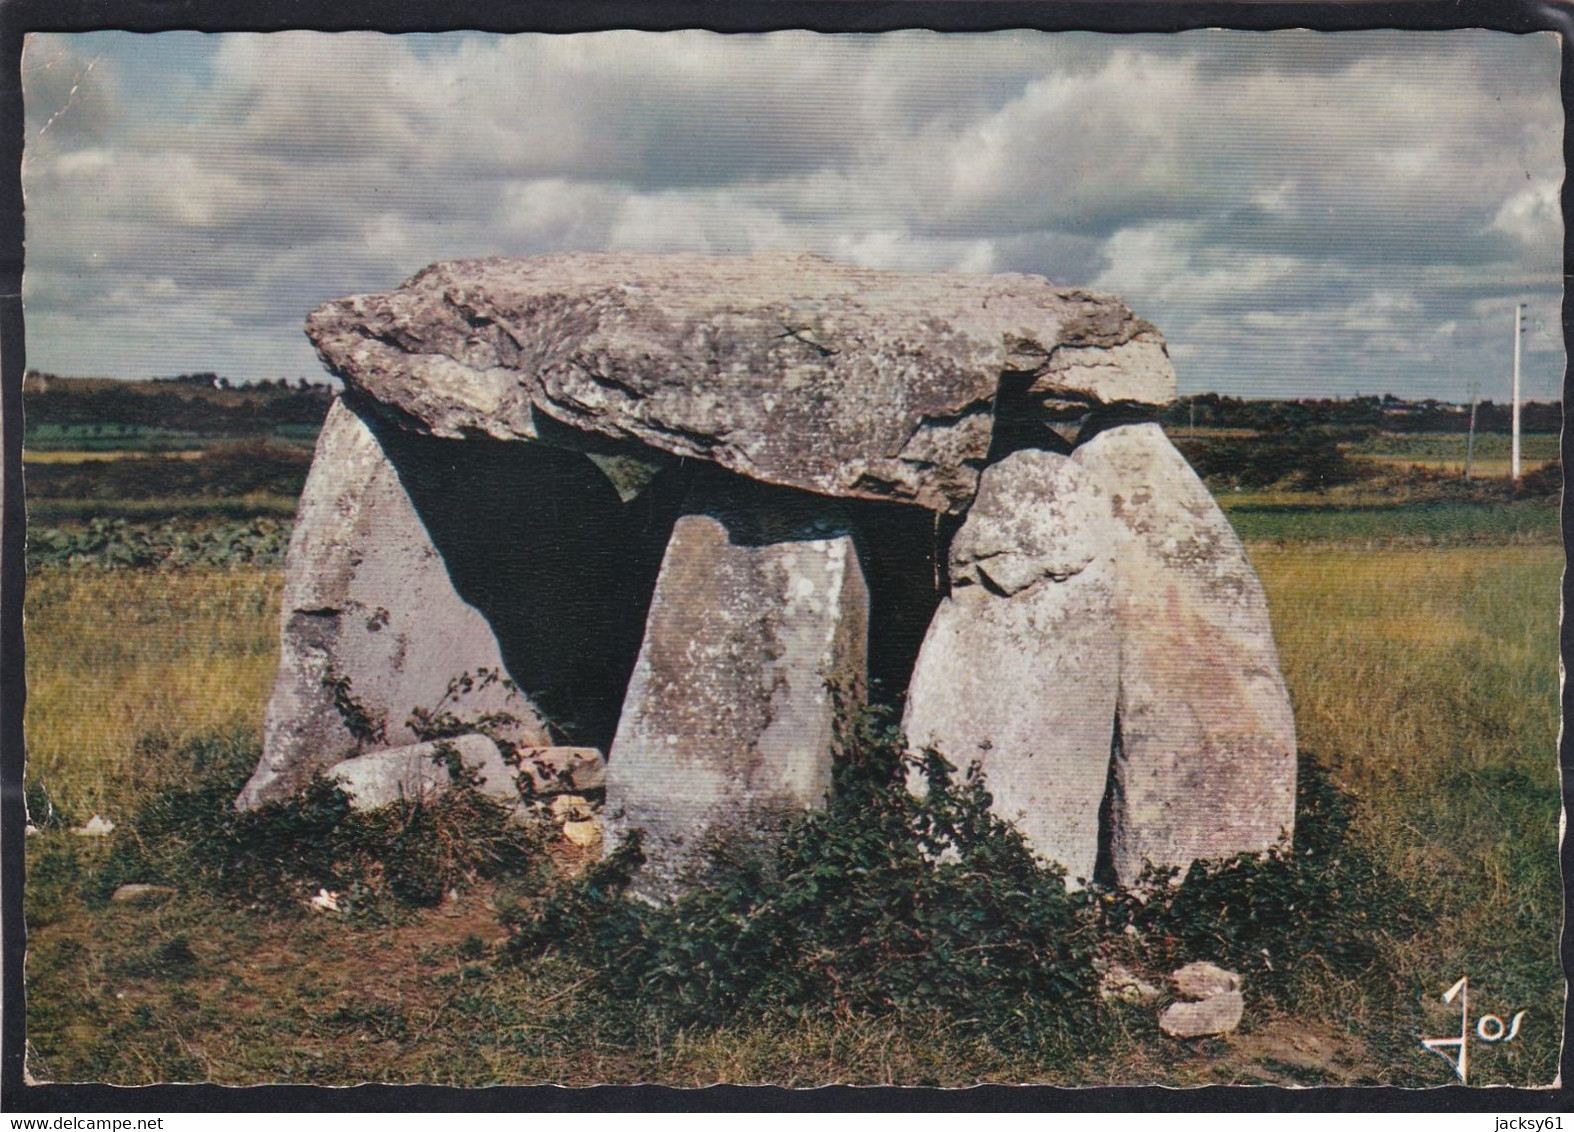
788, 369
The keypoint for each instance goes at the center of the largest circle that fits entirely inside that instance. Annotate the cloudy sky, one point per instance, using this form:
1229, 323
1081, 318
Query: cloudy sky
1302, 213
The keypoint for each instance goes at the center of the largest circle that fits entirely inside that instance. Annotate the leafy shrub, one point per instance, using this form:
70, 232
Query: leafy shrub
882, 903
444, 722
363, 726
890, 904
1319, 906
1544, 481
191, 402
414, 849
424, 847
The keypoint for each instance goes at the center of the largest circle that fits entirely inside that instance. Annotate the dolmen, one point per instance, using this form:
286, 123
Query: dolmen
682, 510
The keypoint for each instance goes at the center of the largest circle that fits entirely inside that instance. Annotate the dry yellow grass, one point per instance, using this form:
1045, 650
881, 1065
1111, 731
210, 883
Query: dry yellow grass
1488, 468
1427, 679
114, 655
85, 456
1415, 660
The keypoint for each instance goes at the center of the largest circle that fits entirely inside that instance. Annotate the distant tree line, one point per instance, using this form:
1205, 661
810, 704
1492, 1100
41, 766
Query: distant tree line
1357, 415
208, 403
201, 403
1308, 459
210, 380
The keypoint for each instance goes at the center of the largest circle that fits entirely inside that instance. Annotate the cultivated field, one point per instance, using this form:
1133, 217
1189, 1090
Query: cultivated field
1447, 452
1418, 632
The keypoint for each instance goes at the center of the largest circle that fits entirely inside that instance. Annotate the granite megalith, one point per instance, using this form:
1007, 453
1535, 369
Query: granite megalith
371, 627
418, 562
728, 723
1018, 673
1107, 644
667, 501
1205, 758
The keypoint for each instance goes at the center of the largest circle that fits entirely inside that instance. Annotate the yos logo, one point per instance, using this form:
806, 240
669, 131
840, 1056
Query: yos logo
1490, 1028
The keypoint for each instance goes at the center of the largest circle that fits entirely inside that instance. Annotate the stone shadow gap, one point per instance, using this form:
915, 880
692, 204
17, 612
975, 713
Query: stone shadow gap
538, 541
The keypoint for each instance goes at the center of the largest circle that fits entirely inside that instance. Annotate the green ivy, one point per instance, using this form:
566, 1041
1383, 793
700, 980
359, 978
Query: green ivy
882, 903
1291, 915
413, 850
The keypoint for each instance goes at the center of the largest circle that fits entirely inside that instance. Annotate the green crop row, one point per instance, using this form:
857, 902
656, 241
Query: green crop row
108, 543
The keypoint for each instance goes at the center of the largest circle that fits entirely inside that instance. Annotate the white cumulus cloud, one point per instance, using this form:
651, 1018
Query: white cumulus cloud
1299, 212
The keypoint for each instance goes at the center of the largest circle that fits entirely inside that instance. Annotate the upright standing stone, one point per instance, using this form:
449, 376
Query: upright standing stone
1018, 672
371, 627
1106, 628
726, 729
1206, 761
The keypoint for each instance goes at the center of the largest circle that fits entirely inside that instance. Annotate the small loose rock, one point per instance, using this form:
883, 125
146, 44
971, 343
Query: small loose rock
1199, 981
417, 770
1120, 984
1220, 1014
141, 893
559, 770
95, 827
324, 901
571, 808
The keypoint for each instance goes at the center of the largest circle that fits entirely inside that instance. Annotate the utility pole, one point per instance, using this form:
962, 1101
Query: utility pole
1514, 466
1470, 443
1191, 430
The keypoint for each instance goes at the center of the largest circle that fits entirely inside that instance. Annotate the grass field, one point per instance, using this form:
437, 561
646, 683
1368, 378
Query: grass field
1428, 679
1481, 467
130, 438
116, 657
1451, 446
1490, 459
1364, 522
1419, 642
137, 440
